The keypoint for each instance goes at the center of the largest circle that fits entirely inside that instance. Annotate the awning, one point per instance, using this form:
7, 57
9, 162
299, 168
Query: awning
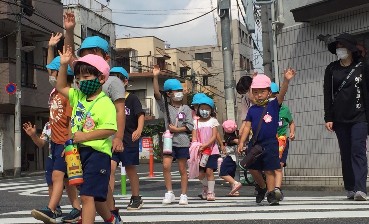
325, 8
184, 64
163, 53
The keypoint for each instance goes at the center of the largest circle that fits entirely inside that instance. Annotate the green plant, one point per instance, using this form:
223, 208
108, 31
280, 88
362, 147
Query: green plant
153, 129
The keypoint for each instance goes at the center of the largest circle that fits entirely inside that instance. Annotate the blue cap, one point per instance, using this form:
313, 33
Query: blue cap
172, 84
197, 97
274, 87
55, 65
208, 101
120, 70
93, 42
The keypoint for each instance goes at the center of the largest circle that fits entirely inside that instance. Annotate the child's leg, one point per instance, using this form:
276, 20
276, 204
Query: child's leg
133, 180
270, 179
167, 167
229, 179
211, 179
182, 165
258, 177
109, 198
50, 190
102, 209
278, 177
72, 194
57, 191
89, 210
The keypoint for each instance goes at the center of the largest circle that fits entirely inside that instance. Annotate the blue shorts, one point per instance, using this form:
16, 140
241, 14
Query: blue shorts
212, 163
96, 173
49, 171
129, 156
228, 167
269, 160
180, 153
285, 154
58, 162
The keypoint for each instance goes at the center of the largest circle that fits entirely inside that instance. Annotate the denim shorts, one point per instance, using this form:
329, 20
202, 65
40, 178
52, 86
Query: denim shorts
269, 160
58, 162
49, 171
96, 173
129, 156
212, 163
228, 167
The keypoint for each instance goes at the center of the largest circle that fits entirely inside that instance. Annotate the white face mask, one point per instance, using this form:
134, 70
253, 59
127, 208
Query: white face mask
342, 53
204, 113
177, 96
52, 81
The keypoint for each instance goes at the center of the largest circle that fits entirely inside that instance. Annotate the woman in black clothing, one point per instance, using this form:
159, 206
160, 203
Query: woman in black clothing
346, 110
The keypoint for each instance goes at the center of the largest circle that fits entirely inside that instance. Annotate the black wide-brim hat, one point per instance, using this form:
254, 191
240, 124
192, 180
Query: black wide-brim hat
347, 40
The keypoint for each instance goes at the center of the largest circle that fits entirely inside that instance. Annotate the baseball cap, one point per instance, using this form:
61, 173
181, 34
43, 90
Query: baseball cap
274, 87
207, 100
260, 82
98, 62
172, 84
120, 70
229, 126
94, 42
55, 65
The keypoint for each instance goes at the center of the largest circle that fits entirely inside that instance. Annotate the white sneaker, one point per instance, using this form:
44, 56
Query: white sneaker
360, 196
183, 200
169, 197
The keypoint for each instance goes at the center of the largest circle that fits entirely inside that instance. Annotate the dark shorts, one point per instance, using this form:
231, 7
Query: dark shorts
96, 173
269, 160
49, 171
129, 156
57, 160
180, 153
228, 167
212, 163
285, 154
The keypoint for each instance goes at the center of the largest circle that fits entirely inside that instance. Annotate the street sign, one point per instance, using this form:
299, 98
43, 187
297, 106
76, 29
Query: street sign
263, 2
11, 88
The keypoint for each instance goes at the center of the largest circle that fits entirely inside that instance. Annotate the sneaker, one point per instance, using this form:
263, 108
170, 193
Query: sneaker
236, 186
350, 194
360, 196
204, 193
72, 217
272, 199
58, 211
210, 196
183, 199
115, 220
45, 215
278, 194
135, 203
169, 197
115, 212
261, 194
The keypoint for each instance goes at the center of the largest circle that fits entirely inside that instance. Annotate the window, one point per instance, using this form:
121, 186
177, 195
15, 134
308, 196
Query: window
183, 72
44, 56
205, 80
205, 57
4, 47
27, 67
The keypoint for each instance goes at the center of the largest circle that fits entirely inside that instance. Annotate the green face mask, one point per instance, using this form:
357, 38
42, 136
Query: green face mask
89, 87
262, 102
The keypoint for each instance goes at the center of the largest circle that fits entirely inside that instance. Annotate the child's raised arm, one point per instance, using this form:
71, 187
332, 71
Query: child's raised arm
54, 40
288, 75
61, 82
69, 24
156, 72
245, 133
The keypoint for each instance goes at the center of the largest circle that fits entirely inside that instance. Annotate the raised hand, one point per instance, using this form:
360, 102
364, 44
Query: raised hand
29, 128
54, 39
156, 70
69, 21
289, 73
66, 55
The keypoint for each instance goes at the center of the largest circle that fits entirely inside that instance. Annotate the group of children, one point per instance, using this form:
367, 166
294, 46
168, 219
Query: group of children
89, 105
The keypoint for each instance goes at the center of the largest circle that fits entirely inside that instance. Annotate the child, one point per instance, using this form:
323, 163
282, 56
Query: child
205, 131
60, 113
266, 137
178, 120
285, 120
228, 167
93, 122
243, 88
135, 118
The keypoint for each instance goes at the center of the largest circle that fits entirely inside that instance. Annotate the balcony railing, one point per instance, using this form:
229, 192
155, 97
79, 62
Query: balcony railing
147, 106
141, 64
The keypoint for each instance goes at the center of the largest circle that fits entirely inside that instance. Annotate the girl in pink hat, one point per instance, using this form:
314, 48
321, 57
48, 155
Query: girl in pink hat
262, 119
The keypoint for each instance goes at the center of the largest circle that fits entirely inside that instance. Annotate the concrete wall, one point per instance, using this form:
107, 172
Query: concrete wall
7, 129
315, 151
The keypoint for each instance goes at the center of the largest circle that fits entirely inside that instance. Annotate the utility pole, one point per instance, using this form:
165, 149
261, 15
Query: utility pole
224, 7
17, 109
266, 30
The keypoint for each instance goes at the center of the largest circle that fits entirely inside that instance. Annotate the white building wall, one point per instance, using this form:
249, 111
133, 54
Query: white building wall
315, 151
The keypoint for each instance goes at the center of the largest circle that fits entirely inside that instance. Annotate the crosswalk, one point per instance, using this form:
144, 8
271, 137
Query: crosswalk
224, 208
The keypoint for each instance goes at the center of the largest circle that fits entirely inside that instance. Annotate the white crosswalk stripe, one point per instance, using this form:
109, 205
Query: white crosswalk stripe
224, 208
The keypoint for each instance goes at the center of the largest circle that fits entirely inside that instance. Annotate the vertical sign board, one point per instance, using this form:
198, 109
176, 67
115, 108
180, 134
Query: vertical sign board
146, 146
1, 151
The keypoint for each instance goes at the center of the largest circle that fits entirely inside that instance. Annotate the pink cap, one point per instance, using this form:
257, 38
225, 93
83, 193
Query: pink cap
229, 126
260, 82
98, 62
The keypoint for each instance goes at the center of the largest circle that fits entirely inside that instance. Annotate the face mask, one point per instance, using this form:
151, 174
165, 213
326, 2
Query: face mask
204, 113
262, 102
177, 96
52, 81
342, 53
88, 87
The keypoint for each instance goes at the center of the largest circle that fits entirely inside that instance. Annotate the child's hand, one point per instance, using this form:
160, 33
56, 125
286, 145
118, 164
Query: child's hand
66, 56
289, 73
29, 129
69, 21
173, 128
79, 137
54, 39
156, 70
224, 151
240, 149
136, 135
292, 136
